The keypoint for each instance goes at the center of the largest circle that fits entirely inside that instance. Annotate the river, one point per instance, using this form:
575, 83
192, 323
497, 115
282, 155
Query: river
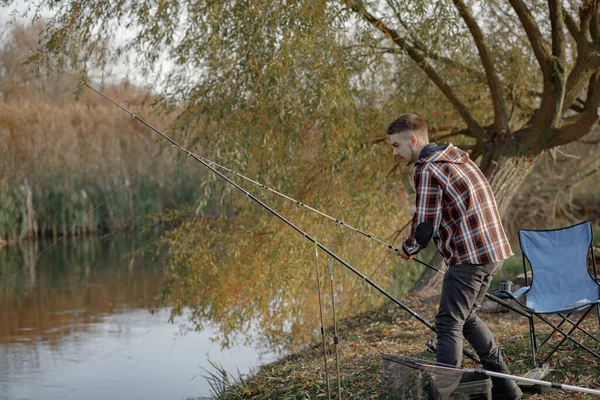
80, 322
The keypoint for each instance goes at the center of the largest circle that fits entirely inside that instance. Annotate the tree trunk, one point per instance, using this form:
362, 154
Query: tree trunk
506, 171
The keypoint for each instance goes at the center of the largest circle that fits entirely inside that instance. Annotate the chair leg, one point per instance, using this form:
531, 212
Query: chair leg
535, 343
568, 336
558, 326
532, 341
578, 327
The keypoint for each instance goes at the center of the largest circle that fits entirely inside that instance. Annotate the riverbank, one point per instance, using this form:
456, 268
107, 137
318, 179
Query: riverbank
391, 330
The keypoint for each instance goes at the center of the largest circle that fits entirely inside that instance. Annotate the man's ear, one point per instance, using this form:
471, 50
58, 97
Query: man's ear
413, 139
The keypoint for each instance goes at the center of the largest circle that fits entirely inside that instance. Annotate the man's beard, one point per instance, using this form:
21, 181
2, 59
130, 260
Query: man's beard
412, 153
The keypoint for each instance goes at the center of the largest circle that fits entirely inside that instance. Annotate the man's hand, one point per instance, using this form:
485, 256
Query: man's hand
403, 255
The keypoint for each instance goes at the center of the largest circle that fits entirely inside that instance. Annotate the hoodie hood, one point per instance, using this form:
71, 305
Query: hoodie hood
430, 148
450, 154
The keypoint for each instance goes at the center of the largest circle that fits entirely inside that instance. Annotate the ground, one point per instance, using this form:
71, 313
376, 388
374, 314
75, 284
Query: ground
391, 330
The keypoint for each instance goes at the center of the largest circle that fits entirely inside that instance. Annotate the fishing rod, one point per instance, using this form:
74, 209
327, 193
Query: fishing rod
322, 323
423, 233
448, 370
556, 385
426, 231
299, 203
335, 332
273, 212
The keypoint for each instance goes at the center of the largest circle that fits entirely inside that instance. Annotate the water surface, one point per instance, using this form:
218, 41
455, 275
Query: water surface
77, 324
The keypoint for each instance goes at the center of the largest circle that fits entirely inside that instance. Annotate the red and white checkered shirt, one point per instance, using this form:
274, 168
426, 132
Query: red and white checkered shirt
455, 197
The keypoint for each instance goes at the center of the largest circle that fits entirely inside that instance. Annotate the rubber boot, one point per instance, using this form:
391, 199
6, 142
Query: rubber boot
471, 377
502, 389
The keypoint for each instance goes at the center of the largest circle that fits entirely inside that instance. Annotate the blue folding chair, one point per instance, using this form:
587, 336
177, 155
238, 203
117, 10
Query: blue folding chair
561, 283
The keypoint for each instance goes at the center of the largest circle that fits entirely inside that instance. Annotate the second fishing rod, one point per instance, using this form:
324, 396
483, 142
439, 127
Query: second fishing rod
273, 212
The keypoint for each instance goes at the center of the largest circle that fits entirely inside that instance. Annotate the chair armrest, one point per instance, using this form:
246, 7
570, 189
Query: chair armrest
502, 294
520, 292
505, 295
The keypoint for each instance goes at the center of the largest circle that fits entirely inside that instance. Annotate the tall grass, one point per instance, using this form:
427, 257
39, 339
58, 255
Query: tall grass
61, 159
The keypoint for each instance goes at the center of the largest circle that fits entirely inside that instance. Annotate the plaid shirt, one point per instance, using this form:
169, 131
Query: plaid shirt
454, 196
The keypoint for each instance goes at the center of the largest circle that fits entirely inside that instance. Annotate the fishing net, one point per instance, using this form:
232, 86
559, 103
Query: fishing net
411, 378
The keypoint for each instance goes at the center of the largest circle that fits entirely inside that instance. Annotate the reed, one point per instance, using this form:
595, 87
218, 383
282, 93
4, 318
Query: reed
61, 159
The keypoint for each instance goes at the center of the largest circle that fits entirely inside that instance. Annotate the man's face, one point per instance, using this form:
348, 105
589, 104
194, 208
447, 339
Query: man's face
403, 145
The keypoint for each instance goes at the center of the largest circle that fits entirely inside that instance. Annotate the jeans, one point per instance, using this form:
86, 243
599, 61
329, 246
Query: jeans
463, 289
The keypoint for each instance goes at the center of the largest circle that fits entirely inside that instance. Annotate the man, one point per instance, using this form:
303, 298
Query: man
455, 197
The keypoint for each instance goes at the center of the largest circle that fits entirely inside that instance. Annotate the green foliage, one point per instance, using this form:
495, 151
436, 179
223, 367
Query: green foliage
309, 135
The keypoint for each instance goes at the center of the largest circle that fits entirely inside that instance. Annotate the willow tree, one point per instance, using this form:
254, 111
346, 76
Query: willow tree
554, 46
519, 77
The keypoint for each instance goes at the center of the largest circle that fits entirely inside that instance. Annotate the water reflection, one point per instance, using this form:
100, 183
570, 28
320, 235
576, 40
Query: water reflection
75, 324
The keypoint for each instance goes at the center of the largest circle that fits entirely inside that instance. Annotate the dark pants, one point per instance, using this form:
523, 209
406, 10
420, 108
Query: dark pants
463, 290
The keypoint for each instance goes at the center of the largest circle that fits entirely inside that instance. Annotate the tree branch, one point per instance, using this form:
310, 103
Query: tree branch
414, 37
428, 53
452, 133
533, 33
582, 123
558, 33
590, 89
586, 13
577, 108
357, 7
588, 53
584, 67
572, 26
595, 27
436, 57
500, 113
553, 68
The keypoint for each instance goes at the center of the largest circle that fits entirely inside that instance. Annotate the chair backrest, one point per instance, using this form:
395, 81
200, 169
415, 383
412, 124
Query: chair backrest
558, 261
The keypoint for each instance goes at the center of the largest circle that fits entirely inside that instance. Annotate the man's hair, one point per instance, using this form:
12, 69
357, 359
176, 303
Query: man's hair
409, 123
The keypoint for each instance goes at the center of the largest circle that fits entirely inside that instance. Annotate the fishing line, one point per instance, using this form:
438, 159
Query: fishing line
425, 234
80, 221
